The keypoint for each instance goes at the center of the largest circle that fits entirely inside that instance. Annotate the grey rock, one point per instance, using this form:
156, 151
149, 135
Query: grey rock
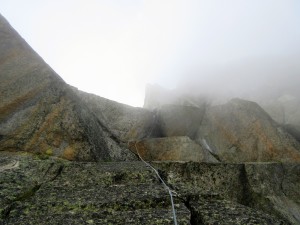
125, 122
171, 149
241, 131
178, 120
51, 190
251, 193
40, 113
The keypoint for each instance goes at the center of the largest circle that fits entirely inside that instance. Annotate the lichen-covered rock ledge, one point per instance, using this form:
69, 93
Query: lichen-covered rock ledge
49, 191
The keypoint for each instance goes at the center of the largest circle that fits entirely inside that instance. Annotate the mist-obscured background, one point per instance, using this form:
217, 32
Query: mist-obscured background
248, 49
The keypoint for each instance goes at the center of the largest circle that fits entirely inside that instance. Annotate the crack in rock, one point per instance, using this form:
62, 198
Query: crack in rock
29, 192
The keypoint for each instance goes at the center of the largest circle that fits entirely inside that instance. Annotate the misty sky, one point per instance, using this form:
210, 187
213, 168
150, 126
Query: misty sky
113, 48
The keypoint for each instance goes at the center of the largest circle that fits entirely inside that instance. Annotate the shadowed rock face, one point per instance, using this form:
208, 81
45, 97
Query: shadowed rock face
178, 120
40, 113
125, 122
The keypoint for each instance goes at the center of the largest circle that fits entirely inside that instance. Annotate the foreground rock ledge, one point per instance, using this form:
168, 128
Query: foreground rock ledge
49, 191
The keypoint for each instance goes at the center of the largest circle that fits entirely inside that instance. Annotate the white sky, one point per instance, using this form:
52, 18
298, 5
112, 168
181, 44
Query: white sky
114, 47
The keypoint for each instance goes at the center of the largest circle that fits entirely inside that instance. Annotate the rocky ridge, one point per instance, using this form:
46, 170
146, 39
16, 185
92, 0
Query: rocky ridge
80, 142
40, 113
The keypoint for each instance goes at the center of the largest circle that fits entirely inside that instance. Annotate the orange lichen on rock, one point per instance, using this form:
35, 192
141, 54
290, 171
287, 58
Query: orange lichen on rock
12, 106
69, 153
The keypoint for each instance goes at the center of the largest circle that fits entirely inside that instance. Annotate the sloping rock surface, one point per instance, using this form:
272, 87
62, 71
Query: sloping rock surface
171, 149
125, 122
238, 131
35, 191
241, 131
40, 113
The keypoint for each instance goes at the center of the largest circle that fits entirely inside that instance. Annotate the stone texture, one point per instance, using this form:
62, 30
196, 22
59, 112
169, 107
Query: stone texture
40, 113
179, 120
51, 191
48, 191
171, 149
241, 131
251, 193
125, 122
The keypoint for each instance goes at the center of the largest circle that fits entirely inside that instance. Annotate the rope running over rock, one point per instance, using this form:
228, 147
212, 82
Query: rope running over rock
163, 182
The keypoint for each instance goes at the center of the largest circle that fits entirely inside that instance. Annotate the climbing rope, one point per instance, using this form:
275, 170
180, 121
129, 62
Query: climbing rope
162, 181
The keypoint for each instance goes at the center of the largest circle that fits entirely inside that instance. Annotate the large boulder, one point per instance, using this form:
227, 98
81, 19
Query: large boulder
171, 149
40, 113
179, 120
241, 131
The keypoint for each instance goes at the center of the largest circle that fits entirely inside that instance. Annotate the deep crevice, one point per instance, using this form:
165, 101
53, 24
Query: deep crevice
246, 197
195, 218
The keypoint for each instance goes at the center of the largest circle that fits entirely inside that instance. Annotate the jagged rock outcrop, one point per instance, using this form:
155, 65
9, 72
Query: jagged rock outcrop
40, 113
49, 191
127, 123
241, 131
238, 131
171, 149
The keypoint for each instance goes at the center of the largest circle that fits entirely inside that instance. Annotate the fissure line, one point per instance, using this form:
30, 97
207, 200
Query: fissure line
162, 181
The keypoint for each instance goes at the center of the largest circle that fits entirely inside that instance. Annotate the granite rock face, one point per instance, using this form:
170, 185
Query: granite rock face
179, 120
40, 113
171, 149
250, 193
241, 131
51, 191
127, 123
35, 191
237, 131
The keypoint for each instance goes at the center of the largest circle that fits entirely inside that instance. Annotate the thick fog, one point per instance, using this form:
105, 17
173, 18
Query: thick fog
231, 48
259, 79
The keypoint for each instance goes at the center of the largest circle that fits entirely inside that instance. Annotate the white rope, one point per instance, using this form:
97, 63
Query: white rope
162, 181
